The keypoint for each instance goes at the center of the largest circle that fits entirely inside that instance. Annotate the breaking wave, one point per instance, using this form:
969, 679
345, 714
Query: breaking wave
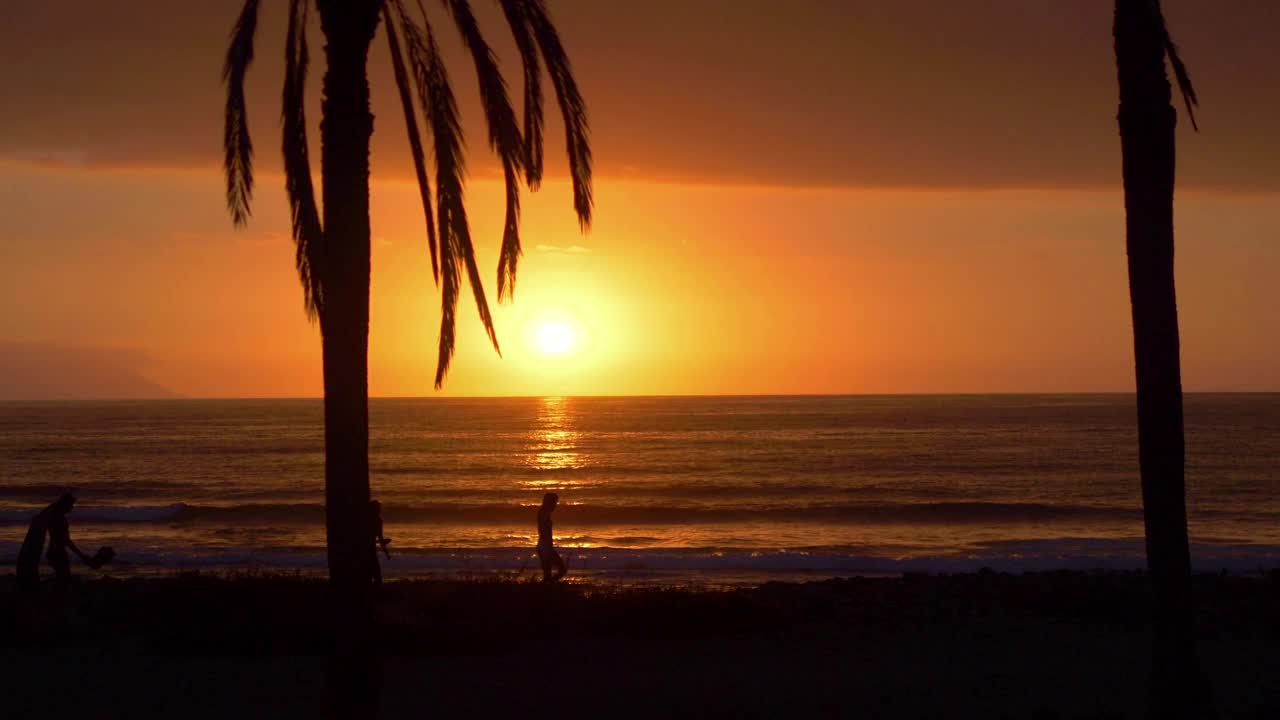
603, 514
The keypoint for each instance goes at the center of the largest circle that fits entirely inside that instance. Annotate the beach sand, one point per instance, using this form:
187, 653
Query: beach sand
1046, 645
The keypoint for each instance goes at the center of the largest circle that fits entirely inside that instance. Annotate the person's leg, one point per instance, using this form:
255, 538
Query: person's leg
544, 557
61, 572
558, 561
28, 577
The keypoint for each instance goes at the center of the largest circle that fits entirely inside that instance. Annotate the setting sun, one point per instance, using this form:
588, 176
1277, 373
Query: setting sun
554, 338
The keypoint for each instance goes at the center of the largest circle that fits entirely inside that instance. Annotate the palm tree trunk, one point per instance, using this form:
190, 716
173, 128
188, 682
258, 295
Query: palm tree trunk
1147, 121
347, 124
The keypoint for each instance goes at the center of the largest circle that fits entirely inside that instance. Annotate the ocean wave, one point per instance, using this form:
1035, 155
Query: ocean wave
605, 514
118, 514
1067, 554
48, 492
658, 514
32, 493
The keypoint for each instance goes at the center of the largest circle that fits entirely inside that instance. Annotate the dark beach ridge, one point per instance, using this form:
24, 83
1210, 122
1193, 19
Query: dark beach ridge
980, 645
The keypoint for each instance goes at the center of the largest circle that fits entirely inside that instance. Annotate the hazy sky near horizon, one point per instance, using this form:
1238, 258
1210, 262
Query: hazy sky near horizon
823, 196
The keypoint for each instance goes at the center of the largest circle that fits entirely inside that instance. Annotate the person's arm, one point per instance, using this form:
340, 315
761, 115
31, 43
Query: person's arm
76, 550
383, 541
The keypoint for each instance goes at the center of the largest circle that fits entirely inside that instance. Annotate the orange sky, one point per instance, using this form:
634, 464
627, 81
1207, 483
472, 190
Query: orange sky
863, 198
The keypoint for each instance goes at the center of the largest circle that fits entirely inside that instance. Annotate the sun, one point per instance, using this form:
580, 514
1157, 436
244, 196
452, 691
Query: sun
553, 337
556, 337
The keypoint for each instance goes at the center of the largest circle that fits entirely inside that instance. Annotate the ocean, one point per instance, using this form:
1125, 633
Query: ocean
653, 489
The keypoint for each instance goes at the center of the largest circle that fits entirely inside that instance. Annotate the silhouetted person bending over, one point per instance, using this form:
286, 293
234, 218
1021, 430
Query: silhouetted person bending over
547, 554
53, 521
379, 540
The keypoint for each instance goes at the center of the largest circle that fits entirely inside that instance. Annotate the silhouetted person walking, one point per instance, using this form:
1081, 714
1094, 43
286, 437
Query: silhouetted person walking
379, 540
52, 521
547, 554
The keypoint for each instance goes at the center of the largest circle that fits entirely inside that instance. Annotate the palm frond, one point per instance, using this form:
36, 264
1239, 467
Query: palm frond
236, 145
1184, 79
518, 19
415, 139
509, 259
456, 250
572, 106
308, 235
504, 134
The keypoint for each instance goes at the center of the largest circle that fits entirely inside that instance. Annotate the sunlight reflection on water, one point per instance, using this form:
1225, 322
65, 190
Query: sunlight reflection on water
553, 445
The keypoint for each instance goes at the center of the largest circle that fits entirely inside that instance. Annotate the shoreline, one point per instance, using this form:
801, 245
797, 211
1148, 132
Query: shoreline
700, 580
679, 567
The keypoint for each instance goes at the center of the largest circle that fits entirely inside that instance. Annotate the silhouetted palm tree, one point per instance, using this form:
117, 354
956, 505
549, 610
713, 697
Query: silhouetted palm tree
333, 253
1147, 121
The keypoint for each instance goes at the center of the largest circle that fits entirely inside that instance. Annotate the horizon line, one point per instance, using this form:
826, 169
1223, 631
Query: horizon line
181, 398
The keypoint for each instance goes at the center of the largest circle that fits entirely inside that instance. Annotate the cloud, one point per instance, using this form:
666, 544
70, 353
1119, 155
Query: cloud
857, 93
563, 249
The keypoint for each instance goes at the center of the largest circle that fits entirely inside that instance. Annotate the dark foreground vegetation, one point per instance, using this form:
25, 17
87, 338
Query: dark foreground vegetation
1050, 645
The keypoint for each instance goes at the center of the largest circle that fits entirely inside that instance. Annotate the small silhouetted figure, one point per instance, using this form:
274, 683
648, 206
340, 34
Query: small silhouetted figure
547, 554
52, 521
379, 540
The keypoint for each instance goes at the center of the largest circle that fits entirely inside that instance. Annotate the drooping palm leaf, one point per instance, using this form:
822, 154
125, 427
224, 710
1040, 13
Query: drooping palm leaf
504, 132
456, 250
1184, 84
415, 139
509, 259
572, 106
446, 166
236, 145
308, 235
1184, 80
504, 135
523, 34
